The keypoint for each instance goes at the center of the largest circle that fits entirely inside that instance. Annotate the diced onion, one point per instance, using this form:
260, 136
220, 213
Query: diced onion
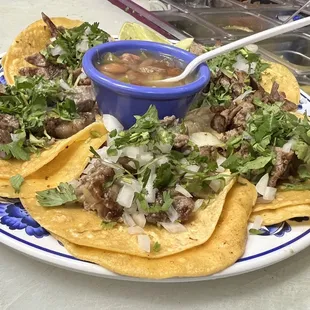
145, 158
253, 48
205, 139
216, 185
219, 162
144, 243
134, 151
287, 146
57, 50
162, 161
88, 31
241, 64
174, 228
258, 221
111, 123
172, 214
198, 204
82, 46
151, 192
102, 152
270, 193
164, 148
131, 164
53, 39
128, 220
183, 191
193, 168
262, 184
125, 196
242, 96
139, 219
135, 230
64, 85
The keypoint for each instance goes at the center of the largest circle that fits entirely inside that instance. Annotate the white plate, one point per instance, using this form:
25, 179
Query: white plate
20, 232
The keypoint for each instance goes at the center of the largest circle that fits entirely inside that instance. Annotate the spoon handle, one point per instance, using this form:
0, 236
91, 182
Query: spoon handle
266, 34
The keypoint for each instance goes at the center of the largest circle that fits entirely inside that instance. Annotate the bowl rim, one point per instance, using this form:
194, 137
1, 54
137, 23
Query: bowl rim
144, 91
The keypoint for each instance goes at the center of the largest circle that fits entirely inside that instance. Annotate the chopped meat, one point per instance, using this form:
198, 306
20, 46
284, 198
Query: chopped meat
242, 76
184, 206
239, 119
169, 121
180, 141
154, 218
218, 123
48, 73
84, 98
37, 60
8, 122
225, 81
51, 26
5, 137
91, 193
86, 81
231, 133
62, 129
2, 89
208, 151
282, 163
237, 89
197, 49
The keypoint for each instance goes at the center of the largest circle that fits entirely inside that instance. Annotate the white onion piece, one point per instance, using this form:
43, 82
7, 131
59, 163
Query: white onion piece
144, 243
128, 219
151, 192
87, 31
164, 148
258, 221
64, 85
111, 123
162, 161
193, 168
219, 162
253, 67
183, 161
198, 204
253, 48
135, 230
57, 50
125, 196
173, 228
102, 152
270, 193
205, 139
131, 164
53, 39
133, 151
241, 64
242, 96
139, 219
287, 146
262, 184
183, 191
15, 137
172, 214
215, 185
145, 158
82, 46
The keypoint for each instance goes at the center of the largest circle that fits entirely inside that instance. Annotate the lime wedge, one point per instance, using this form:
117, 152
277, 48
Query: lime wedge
185, 44
134, 31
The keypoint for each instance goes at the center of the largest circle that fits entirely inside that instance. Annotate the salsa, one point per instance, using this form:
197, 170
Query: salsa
142, 68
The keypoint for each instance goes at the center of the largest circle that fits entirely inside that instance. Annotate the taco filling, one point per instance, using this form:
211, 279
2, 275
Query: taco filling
151, 173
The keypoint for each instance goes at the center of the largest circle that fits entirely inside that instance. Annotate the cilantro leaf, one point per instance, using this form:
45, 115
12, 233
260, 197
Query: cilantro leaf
16, 182
15, 149
164, 176
55, 197
256, 164
108, 225
156, 247
66, 110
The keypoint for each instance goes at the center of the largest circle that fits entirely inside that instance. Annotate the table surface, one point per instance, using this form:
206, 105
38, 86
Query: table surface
26, 283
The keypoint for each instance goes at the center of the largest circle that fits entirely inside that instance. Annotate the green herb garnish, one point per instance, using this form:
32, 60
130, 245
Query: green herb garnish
16, 182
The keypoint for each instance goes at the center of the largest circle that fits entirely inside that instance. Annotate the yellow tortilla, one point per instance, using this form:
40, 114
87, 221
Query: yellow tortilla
275, 216
285, 78
68, 165
84, 228
31, 40
223, 249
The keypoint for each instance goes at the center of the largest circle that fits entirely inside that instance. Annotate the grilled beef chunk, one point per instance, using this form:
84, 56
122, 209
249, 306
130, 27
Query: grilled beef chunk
283, 160
49, 73
208, 151
5, 137
169, 121
37, 60
8, 122
62, 129
180, 141
51, 26
83, 97
184, 206
94, 197
157, 217
2, 89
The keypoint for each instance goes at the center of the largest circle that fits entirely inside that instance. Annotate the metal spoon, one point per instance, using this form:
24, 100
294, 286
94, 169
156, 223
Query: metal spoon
235, 45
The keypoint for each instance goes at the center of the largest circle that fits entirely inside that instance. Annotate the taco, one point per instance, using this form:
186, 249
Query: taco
150, 185
224, 248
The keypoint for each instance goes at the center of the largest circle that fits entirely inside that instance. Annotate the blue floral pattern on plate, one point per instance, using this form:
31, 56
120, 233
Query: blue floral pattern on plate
14, 216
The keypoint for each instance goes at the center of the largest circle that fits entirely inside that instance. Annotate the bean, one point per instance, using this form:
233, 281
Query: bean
113, 68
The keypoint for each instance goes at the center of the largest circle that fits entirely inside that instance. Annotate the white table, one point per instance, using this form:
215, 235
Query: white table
28, 284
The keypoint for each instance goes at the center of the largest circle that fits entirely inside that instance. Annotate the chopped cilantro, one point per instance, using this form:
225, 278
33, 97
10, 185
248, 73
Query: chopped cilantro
253, 231
156, 247
93, 151
108, 225
16, 182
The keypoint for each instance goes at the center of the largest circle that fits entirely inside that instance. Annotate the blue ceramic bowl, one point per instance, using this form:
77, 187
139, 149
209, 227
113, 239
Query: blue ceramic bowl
124, 100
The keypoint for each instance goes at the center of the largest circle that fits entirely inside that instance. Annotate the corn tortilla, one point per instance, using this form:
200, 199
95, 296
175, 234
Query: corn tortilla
223, 249
84, 228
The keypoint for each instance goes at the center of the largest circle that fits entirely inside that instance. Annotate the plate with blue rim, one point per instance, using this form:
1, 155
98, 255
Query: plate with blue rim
274, 243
